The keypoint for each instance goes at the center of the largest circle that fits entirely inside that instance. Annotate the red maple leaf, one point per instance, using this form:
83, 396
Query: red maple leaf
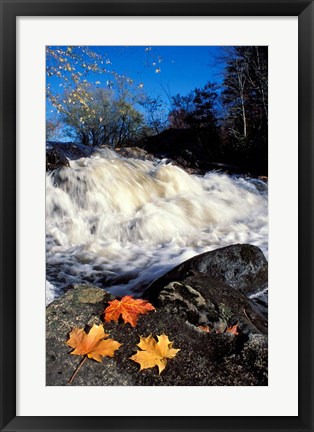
129, 308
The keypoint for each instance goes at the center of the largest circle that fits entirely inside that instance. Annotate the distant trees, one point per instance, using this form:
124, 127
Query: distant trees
195, 115
235, 112
196, 110
245, 96
182, 107
100, 117
53, 128
88, 113
154, 114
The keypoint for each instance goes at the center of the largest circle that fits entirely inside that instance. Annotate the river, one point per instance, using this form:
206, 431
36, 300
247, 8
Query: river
120, 223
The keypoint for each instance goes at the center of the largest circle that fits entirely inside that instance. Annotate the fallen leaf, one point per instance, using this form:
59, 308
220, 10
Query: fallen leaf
204, 328
154, 353
129, 308
233, 330
92, 344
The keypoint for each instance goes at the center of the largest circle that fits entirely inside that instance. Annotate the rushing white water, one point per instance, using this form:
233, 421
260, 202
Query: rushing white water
120, 223
50, 293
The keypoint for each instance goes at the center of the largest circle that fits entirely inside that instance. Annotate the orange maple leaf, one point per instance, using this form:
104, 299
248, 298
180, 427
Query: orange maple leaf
92, 344
204, 328
233, 330
154, 353
128, 308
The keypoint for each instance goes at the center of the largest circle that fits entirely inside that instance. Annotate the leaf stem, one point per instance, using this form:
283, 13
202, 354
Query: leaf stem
247, 316
77, 369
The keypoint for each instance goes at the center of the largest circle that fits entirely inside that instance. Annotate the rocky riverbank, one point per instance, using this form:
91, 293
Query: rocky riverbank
187, 152
195, 303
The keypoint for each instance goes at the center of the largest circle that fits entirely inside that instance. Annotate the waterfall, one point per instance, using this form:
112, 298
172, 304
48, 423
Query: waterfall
120, 223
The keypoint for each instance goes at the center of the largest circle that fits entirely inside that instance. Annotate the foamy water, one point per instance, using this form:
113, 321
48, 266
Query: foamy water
120, 223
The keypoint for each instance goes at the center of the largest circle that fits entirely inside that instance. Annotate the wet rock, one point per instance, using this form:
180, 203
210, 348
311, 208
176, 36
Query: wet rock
202, 300
70, 150
255, 354
242, 266
203, 359
58, 154
55, 159
135, 152
189, 148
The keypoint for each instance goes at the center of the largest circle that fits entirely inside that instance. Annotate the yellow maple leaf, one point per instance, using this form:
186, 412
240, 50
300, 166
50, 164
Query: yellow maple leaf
92, 344
154, 353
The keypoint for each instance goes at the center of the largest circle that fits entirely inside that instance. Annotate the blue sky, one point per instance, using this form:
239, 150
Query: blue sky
166, 70
163, 71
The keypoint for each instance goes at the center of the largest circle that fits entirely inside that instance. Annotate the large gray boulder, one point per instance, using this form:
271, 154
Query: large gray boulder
242, 266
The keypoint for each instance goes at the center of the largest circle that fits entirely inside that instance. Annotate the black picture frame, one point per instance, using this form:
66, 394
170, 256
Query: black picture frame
10, 9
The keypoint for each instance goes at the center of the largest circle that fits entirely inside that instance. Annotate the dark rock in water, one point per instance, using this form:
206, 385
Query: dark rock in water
242, 266
55, 159
201, 149
209, 359
58, 154
189, 148
134, 152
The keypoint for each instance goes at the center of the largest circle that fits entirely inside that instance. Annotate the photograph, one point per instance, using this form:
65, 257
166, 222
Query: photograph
156, 210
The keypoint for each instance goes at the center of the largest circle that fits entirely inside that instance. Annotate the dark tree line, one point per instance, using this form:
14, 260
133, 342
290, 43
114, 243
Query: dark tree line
235, 113
245, 102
